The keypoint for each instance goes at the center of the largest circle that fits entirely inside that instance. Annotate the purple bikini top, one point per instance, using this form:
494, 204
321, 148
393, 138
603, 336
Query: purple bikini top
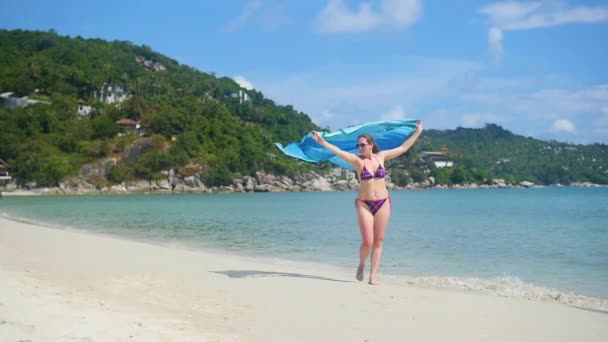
366, 175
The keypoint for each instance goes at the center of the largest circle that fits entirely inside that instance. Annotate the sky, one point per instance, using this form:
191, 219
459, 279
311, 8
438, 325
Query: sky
537, 68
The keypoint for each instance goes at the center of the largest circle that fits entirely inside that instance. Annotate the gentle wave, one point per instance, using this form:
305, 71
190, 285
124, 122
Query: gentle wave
510, 287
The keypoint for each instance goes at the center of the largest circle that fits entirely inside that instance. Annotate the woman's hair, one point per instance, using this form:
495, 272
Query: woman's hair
370, 140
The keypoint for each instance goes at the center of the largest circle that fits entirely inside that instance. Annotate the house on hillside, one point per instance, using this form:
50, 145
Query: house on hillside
342, 173
83, 108
440, 159
5, 178
128, 126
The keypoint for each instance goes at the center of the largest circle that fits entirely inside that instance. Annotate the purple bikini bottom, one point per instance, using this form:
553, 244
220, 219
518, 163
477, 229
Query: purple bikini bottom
374, 206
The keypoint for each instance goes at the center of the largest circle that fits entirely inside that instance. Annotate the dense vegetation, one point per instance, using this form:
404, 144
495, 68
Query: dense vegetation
481, 154
197, 122
214, 128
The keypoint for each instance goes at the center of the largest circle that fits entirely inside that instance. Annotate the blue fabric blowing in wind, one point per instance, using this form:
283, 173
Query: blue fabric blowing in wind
387, 134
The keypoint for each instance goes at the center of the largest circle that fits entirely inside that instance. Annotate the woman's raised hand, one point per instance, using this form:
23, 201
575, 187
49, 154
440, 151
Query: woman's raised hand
318, 138
419, 126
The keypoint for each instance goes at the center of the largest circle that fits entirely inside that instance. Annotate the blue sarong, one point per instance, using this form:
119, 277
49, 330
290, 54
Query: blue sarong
387, 134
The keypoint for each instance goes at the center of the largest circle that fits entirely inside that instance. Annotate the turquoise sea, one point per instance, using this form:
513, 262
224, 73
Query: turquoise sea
544, 241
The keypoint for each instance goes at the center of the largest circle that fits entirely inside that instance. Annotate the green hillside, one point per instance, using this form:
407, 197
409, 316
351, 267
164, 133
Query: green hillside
217, 125
195, 122
494, 151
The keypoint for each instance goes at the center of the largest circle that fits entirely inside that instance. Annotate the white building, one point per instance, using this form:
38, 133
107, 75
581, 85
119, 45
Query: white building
440, 159
83, 108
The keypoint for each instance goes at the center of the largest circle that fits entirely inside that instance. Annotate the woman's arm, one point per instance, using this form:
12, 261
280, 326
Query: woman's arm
346, 156
397, 151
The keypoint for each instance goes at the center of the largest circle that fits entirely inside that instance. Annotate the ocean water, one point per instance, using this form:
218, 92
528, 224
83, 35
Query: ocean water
546, 242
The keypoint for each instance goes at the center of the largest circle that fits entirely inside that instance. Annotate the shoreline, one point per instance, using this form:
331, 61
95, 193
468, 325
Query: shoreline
61, 192
505, 287
89, 286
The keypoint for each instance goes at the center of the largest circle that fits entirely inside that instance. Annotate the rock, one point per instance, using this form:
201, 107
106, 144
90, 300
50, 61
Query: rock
238, 187
134, 151
101, 168
249, 183
341, 185
118, 189
164, 185
194, 182
137, 186
262, 188
319, 184
225, 188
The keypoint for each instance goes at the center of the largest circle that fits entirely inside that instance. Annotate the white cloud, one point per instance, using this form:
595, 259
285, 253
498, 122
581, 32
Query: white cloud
495, 41
514, 15
246, 15
269, 14
584, 15
243, 82
563, 125
503, 13
402, 12
324, 117
336, 17
397, 113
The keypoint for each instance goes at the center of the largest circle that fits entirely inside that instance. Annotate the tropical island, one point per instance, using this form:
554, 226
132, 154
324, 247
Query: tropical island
93, 116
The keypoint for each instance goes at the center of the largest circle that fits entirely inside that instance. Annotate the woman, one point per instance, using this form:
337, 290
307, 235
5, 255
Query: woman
373, 202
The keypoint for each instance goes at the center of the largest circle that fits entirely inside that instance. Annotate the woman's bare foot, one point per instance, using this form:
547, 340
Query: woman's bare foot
360, 272
373, 281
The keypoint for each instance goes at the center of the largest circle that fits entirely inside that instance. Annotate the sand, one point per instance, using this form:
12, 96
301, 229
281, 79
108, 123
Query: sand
66, 285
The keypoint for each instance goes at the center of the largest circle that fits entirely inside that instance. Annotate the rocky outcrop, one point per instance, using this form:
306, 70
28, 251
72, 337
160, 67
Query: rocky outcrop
149, 64
134, 151
91, 180
100, 168
526, 184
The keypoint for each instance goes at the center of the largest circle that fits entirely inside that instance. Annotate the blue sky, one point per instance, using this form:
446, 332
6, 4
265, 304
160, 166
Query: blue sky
537, 68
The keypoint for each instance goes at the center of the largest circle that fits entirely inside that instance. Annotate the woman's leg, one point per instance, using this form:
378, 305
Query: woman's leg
366, 227
380, 223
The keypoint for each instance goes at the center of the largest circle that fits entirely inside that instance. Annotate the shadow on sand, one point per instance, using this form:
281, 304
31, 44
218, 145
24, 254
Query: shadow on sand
254, 273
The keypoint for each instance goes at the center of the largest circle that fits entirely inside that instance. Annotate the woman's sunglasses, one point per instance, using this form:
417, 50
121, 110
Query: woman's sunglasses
361, 145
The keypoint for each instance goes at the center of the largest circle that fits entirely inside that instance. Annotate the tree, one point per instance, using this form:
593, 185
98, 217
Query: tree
52, 170
441, 175
460, 176
104, 127
121, 173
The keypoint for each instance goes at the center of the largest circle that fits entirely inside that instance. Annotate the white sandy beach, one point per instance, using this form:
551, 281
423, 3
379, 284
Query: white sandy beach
60, 285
